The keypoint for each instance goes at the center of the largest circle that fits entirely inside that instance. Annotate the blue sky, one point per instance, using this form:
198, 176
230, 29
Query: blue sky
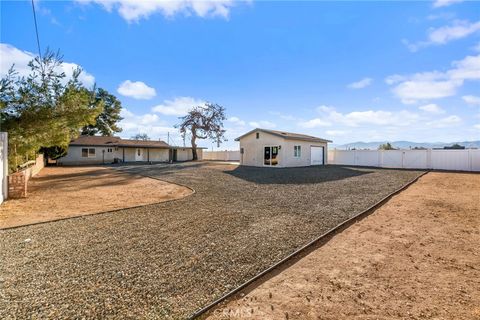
346, 71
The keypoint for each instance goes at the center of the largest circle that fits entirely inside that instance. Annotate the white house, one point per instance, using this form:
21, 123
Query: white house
272, 148
100, 150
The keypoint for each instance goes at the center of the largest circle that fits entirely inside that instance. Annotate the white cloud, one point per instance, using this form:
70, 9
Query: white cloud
395, 78
135, 10
178, 106
368, 117
336, 133
136, 90
146, 123
262, 124
314, 123
477, 126
442, 35
435, 84
476, 47
365, 82
473, 100
445, 122
444, 3
432, 108
236, 121
411, 91
11, 55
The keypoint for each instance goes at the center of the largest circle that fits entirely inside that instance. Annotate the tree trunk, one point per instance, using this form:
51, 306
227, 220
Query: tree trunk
194, 147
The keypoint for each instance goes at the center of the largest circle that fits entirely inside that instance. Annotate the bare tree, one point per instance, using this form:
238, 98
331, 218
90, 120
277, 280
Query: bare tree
203, 122
141, 136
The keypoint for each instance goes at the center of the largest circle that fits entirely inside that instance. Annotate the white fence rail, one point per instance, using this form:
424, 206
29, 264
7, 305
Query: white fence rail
3, 166
221, 155
461, 160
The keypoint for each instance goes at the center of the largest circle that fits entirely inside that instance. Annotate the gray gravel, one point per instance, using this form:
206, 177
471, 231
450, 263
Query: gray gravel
167, 260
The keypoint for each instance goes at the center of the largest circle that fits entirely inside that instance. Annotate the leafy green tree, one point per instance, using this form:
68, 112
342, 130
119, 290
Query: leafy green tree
454, 146
54, 152
43, 109
203, 122
106, 122
386, 146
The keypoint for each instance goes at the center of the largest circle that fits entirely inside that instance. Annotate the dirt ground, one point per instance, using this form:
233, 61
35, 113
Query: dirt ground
166, 260
416, 257
59, 192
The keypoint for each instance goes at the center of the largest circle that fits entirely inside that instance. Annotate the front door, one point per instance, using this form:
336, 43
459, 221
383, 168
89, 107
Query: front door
139, 154
270, 156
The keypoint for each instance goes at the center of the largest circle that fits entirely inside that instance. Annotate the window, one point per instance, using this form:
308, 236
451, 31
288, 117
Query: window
88, 152
297, 151
258, 135
109, 150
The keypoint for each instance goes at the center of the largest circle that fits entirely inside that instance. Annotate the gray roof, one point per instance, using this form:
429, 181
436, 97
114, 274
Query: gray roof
117, 142
286, 135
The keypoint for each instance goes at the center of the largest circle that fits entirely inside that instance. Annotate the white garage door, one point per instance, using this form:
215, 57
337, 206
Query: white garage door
316, 156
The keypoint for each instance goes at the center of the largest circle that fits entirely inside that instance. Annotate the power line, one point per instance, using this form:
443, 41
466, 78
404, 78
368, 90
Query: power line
36, 30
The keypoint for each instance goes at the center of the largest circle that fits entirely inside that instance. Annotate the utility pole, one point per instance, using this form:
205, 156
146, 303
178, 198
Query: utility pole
168, 138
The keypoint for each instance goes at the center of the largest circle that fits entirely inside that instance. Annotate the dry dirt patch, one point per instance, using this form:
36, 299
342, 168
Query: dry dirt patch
59, 192
416, 257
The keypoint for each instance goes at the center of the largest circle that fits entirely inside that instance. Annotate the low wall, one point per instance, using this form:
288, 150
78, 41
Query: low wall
458, 160
222, 155
18, 181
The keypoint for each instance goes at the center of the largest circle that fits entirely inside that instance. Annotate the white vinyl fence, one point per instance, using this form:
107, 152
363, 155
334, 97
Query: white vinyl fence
461, 160
3, 166
222, 155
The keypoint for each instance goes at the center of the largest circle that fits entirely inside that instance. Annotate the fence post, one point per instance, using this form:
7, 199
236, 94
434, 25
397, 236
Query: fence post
429, 159
470, 160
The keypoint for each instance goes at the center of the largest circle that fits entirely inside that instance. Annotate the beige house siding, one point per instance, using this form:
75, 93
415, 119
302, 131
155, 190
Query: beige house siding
158, 155
304, 159
74, 156
253, 150
184, 154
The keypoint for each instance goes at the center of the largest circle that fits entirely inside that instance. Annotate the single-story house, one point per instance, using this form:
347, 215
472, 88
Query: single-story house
272, 148
100, 150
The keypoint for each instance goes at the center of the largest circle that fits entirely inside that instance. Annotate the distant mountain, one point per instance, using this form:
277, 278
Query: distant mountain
405, 144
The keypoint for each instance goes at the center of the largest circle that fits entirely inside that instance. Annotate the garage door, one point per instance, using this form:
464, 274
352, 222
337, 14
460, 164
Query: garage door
316, 156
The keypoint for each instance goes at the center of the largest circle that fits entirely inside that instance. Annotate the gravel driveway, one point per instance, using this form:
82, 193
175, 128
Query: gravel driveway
167, 260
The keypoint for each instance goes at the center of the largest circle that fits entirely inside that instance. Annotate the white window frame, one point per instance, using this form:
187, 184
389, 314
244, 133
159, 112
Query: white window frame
297, 151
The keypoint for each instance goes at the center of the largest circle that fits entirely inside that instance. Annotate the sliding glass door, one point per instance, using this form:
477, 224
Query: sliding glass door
270, 156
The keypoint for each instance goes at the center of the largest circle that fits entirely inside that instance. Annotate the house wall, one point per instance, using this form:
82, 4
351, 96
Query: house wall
127, 154
304, 159
253, 150
185, 154
74, 156
157, 155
